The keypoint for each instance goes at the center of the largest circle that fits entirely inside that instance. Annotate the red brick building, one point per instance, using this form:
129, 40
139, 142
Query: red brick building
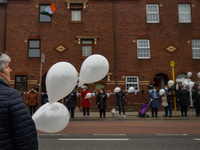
138, 37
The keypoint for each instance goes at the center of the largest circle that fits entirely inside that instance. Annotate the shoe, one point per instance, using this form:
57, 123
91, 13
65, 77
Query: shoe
124, 116
119, 116
100, 117
152, 116
182, 116
186, 116
165, 116
104, 117
156, 116
170, 116
83, 116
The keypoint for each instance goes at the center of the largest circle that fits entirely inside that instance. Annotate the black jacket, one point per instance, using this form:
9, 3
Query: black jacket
17, 129
120, 98
170, 96
197, 99
71, 100
101, 99
184, 98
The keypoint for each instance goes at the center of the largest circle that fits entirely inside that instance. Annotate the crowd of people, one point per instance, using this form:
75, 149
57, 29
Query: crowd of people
182, 96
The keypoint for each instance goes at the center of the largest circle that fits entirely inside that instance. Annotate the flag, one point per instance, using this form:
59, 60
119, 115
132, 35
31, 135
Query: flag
49, 10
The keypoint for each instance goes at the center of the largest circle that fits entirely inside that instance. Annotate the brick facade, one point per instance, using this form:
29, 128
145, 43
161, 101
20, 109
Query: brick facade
131, 24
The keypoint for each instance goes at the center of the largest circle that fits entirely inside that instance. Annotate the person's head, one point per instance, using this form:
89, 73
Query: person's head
86, 86
4, 67
121, 88
154, 88
102, 90
32, 90
166, 87
182, 87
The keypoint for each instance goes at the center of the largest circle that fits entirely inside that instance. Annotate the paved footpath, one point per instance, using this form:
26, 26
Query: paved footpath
132, 124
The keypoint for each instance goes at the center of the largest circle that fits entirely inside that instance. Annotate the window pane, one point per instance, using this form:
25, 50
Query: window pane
152, 13
34, 44
196, 48
44, 18
34, 53
184, 13
21, 82
86, 42
87, 50
132, 81
99, 85
76, 15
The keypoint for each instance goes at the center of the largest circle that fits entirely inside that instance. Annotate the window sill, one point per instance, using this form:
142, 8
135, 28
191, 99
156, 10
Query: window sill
76, 22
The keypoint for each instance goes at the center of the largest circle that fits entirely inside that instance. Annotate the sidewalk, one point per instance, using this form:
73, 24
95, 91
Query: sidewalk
132, 116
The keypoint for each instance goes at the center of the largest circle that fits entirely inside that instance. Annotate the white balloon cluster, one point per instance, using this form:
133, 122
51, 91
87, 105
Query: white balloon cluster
61, 79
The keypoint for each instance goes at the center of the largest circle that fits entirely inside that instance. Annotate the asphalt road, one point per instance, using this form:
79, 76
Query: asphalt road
120, 142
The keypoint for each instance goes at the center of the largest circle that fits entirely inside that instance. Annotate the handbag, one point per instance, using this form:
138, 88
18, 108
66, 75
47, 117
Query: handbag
164, 101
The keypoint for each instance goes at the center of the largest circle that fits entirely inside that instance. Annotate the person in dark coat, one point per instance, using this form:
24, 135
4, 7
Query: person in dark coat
196, 99
101, 102
170, 96
71, 102
18, 131
45, 98
184, 99
154, 98
120, 99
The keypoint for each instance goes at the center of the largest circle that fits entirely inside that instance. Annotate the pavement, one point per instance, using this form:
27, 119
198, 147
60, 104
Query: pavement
132, 116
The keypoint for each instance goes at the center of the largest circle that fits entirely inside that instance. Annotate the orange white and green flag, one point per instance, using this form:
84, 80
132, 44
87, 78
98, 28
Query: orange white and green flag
49, 10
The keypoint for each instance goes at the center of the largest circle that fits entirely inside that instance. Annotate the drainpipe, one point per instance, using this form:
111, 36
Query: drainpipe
5, 28
115, 46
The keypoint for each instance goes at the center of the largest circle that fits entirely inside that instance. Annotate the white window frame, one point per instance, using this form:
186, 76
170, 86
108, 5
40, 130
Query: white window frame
184, 13
195, 49
141, 48
153, 13
132, 83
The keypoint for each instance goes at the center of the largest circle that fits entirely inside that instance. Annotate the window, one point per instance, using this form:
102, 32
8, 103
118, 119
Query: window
34, 48
143, 49
87, 48
76, 13
196, 49
21, 82
98, 86
184, 13
152, 13
44, 17
132, 81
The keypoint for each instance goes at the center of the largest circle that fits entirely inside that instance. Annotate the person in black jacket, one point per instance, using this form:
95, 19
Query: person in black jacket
196, 98
101, 102
184, 99
71, 102
120, 99
18, 131
170, 97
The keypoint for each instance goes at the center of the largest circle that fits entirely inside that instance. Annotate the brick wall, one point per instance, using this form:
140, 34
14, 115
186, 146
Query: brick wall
23, 24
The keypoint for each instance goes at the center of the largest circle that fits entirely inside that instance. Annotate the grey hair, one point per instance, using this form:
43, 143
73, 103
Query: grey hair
3, 60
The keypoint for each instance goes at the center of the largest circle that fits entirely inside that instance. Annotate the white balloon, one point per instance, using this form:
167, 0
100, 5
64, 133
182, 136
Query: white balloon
93, 69
185, 83
189, 74
162, 91
131, 90
198, 74
60, 80
117, 89
88, 95
191, 84
51, 118
170, 83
